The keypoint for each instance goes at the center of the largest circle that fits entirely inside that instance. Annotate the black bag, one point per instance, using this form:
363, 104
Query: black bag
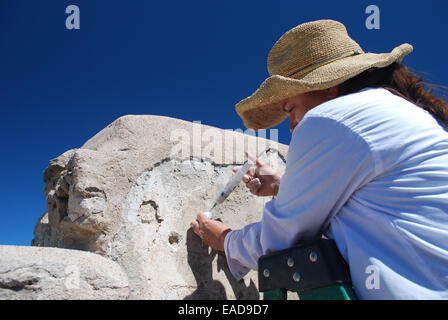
303, 267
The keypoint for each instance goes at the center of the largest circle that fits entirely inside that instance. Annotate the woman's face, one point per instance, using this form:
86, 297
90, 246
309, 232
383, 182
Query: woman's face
296, 107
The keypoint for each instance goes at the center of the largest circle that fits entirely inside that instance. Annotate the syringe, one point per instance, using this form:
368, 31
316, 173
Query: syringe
231, 185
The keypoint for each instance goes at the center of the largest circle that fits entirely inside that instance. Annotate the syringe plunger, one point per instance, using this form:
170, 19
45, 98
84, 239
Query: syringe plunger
234, 181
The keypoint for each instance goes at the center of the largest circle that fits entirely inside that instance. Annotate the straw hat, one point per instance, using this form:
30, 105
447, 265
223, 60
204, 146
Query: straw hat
312, 56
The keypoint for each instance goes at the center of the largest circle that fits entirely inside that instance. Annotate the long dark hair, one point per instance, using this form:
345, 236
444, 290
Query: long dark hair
398, 79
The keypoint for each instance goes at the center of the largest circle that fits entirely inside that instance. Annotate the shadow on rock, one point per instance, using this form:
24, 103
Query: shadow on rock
200, 260
240, 290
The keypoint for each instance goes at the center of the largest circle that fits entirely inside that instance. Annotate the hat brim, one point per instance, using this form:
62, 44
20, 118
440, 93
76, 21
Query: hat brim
263, 109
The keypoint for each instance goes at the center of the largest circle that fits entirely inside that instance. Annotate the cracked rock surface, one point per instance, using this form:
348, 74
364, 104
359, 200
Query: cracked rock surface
130, 193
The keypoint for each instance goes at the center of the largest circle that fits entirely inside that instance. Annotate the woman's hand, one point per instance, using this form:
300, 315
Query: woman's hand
211, 232
261, 180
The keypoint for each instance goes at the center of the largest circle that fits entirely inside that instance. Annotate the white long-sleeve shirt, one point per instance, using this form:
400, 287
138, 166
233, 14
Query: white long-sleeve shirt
369, 169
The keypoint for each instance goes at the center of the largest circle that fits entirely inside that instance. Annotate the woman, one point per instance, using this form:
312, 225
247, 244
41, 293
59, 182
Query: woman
367, 165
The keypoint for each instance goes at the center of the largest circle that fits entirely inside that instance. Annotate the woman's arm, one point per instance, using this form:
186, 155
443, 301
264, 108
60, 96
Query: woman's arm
327, 162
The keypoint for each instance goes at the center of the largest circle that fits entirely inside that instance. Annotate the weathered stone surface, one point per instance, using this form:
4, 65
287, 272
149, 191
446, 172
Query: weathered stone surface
53, 273
130, 192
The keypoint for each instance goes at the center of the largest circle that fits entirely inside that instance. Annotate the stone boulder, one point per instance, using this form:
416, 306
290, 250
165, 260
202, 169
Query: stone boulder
130, 192
59, 274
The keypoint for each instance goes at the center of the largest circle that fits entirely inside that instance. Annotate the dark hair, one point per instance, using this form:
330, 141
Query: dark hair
399, 80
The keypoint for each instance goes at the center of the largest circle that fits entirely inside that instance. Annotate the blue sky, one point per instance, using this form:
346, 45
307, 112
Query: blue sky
192, 60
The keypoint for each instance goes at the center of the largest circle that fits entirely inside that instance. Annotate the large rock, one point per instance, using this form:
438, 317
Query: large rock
130, 192
53, 273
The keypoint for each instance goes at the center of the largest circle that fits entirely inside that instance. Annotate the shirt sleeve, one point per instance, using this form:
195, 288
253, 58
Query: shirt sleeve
327, 162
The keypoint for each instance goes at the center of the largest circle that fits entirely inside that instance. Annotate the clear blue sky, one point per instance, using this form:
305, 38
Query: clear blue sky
192, 60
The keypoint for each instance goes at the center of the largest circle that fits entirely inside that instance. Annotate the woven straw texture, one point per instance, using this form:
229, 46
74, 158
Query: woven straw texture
312, 56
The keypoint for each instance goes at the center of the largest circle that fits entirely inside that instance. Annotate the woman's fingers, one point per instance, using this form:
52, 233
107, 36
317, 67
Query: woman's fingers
195, 226
211, 232
260, 178
202, 217
248, 176
254, 185
252, 171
